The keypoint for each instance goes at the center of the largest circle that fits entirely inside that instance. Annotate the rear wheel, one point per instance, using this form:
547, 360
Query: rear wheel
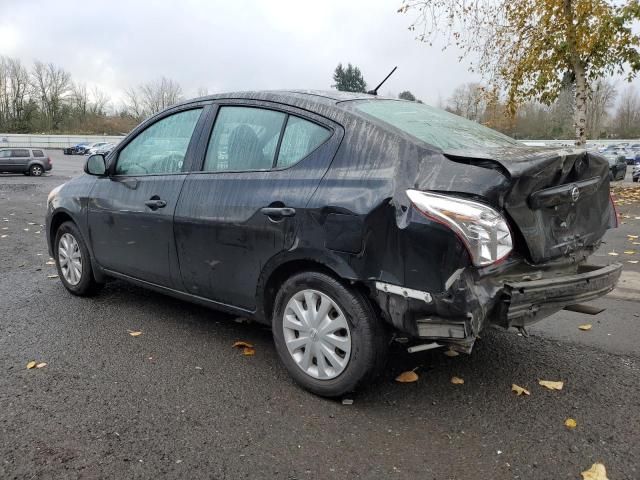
328, 336
73, 261
35, 170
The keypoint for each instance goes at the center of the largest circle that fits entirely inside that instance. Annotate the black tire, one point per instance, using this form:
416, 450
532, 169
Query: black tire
87, 285
36, 170
635, 179
368, 335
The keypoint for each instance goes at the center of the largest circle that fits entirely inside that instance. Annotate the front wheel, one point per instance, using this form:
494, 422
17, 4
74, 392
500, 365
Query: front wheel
73, 262
328, 336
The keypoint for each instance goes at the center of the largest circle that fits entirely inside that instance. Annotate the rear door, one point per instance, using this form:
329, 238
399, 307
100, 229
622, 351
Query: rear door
262, 162
18, 161
131, 210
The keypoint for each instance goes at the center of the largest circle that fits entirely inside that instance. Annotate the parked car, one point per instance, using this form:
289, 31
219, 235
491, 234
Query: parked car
105, 149
76, 149
93, 148
630, 155
617, 165
635, 173
30, 161
338, 219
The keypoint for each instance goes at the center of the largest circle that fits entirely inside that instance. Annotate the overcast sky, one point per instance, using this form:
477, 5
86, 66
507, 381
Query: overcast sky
227, 45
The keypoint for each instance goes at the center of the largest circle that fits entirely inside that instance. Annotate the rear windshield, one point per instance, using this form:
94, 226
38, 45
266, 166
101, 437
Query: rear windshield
434, 126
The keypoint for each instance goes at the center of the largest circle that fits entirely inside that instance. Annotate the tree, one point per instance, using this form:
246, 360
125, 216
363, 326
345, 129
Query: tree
349, 79
468, 101
627, 118
601, 100
153, 97
530, 47
407, 95
52, 84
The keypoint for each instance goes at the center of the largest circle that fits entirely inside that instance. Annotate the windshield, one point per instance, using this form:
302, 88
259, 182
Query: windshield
434, 126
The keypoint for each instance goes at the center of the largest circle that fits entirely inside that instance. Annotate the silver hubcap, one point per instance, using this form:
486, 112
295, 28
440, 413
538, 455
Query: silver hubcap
70, 259
317, 334
37, 171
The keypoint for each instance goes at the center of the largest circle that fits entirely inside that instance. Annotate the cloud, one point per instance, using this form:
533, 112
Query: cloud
227, 46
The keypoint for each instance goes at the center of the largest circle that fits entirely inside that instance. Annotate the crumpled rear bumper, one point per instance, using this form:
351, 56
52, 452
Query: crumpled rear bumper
523, 303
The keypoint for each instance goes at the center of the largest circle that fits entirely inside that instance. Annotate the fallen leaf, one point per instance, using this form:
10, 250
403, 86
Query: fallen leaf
630, 252
30, 223
407, 377
632, 261
632, 237
551, 385
596, 472
585, 327
613, 254
457, 380
51, 262
570, 423
347, 401
31, 365
52, 276
134, 333
241, 345
3, 236
635, 243
41, 365
248, 351
519, 390
451, 353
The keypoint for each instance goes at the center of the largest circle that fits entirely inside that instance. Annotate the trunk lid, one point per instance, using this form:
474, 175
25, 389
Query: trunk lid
558, 199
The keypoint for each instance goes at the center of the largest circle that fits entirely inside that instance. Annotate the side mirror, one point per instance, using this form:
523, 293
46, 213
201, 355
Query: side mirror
95, 165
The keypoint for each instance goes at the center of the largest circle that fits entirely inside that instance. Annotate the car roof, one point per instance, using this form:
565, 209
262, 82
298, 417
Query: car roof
292, 97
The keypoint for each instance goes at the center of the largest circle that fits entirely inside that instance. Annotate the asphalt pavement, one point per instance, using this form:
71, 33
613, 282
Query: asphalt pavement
178, 401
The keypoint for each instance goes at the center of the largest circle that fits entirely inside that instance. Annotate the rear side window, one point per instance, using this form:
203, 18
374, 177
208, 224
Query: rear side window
301, 137
244, 138
5, 153
20, 153
37, 153
434, 126
161, 148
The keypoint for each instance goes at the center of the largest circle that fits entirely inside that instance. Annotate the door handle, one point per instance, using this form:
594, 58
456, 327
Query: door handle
278, 212
155, 203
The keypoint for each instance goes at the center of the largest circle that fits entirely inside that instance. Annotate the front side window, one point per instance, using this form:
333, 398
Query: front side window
243, 138
161, 148
301, 137
434, 126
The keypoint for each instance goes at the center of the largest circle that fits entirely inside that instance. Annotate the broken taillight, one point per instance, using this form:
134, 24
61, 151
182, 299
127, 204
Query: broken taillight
483, 230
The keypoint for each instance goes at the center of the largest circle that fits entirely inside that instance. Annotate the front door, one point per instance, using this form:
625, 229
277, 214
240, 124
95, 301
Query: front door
260, 169
131, 210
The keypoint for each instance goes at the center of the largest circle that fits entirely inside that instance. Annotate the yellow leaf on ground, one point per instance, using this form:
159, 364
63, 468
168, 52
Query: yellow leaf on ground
551, 385
134, 333
635, 243
407, 377
451, 353
248, 351
596, 472
632, 237
31, 365
632, 261
241, 345
457, 380
519, 390
585, 327
51, 262
630, 252
52, 276
613, 254
570, 423
41, 365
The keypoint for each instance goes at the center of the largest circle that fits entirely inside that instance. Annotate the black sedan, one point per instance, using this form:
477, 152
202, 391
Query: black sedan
617, 165
338, 220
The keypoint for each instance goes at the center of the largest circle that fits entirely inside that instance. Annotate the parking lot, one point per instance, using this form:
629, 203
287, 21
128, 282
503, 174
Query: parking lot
180, 402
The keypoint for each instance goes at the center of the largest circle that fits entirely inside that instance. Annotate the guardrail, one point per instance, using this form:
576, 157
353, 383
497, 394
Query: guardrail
52, 141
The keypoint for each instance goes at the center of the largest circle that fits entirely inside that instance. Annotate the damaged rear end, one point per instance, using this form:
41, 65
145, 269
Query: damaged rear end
528, 241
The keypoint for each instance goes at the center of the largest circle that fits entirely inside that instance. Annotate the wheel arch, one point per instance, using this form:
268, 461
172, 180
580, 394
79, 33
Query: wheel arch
277, 270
